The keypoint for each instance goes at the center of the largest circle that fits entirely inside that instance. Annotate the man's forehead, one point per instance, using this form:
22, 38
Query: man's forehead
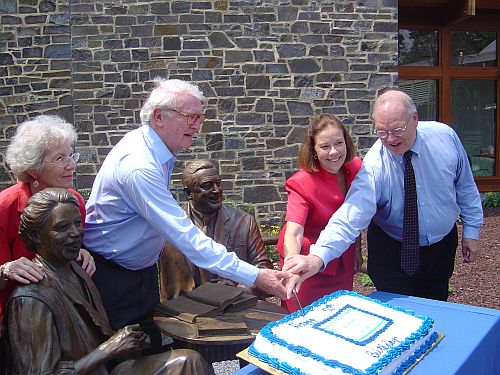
206, 173
187, 101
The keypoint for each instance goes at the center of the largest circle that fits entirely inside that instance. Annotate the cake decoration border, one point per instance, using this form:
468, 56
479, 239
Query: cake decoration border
424, 328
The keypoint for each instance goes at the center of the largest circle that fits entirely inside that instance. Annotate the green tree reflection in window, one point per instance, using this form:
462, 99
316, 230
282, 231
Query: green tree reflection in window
418, 47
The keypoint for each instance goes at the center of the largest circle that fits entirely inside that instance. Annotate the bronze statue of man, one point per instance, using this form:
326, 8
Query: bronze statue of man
58, 325
235, 229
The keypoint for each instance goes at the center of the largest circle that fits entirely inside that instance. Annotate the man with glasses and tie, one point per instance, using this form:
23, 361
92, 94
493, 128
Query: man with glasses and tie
131, 212
414, 183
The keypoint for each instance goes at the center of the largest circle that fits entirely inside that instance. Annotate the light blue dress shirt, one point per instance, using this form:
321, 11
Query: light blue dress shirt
131, 212
445, 190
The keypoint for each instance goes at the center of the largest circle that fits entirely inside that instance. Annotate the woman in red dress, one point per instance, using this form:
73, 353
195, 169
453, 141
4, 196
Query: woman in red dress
327, 165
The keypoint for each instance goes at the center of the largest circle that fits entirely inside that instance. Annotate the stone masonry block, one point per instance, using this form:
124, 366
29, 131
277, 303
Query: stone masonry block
299, 108
238, 56
304, 66
291, 50
257, 82
261, 194
220, 40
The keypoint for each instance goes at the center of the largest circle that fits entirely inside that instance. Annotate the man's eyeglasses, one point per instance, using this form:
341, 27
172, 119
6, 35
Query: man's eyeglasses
398, 132
191, 118
64, 160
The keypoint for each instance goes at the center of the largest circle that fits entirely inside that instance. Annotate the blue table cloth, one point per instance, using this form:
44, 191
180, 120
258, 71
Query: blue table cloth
471, 344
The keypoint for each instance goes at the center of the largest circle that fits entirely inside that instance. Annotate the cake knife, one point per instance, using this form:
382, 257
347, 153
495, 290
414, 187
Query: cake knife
294, 292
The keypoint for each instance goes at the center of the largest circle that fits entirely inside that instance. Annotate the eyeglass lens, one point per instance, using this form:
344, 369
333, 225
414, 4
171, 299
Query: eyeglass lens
65, 159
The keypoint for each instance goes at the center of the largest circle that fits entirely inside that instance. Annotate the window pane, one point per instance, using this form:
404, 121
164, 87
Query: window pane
473, 117
418, 48
473, 48
424, 94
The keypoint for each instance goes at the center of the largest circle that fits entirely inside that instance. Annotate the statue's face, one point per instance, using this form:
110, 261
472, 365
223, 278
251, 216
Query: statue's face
61, 238
206, 193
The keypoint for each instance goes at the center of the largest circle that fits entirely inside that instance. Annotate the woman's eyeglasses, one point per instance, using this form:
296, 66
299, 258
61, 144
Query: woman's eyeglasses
64, 160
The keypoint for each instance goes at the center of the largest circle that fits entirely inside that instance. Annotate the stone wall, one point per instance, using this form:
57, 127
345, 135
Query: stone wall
266, 67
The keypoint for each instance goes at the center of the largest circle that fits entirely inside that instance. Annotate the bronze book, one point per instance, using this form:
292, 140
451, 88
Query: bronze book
208, 300
244, 301
221, 326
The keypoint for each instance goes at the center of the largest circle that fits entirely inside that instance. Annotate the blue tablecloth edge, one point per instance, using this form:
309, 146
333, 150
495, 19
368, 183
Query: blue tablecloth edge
393, 299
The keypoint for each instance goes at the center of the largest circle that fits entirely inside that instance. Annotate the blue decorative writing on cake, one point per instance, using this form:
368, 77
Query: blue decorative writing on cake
345, 333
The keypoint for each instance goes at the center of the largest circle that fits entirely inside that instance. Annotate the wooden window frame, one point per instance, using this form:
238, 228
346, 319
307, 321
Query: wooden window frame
444, 73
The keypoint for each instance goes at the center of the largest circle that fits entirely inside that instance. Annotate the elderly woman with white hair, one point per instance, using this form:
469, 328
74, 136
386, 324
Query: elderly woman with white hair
40, 155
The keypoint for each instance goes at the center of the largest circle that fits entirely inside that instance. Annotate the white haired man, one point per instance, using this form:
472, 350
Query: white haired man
131, 212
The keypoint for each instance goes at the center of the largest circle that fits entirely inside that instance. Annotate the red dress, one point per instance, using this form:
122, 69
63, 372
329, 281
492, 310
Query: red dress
12, 203
312, 200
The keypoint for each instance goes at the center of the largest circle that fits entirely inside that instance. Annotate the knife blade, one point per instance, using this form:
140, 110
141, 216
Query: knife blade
296, 298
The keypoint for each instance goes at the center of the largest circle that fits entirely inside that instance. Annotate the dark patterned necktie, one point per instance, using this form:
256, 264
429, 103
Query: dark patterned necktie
410, 253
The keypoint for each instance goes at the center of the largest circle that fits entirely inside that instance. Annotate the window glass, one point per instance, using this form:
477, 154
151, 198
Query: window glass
473, 48
418, 47
424, 94
473, 118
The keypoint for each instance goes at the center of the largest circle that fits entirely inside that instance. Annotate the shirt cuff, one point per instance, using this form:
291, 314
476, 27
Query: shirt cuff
246, 274
321, 252
470, 232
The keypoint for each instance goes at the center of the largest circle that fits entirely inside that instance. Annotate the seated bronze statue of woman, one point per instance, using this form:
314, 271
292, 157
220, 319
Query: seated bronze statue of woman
58, 325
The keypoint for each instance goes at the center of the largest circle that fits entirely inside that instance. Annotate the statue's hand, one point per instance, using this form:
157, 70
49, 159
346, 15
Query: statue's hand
126, 340
122, 345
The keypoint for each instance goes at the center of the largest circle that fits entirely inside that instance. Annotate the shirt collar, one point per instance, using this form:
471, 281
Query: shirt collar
417, 145
159, 149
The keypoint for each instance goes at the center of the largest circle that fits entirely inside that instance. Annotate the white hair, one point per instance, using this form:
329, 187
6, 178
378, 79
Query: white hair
164, 96
32, 139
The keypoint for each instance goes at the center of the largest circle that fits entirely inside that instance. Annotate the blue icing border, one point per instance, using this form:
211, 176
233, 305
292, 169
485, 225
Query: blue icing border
266, 332
373, 335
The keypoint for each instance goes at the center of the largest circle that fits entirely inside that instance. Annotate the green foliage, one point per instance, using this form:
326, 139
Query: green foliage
229, 201
365, 280
491, 199
85, 193
269, 231
247, 207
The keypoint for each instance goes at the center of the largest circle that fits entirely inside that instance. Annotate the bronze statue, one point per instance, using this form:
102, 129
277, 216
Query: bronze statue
231, 227
59, 325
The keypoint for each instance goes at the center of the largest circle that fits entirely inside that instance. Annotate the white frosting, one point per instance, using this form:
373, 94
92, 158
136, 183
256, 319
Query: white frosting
353, 331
